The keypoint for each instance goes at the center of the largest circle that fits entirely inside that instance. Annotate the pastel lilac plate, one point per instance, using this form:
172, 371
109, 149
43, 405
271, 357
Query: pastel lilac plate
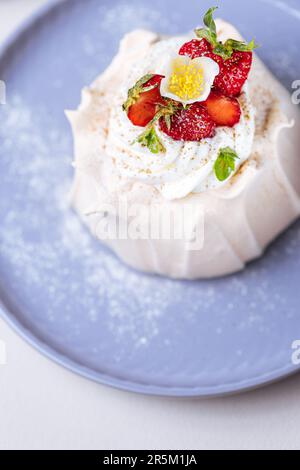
73, 299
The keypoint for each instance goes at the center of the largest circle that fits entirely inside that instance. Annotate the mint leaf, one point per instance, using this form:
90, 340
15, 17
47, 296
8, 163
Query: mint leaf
150, 139
225, 163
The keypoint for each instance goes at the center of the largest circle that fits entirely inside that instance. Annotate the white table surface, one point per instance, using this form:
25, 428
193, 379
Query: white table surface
43, 406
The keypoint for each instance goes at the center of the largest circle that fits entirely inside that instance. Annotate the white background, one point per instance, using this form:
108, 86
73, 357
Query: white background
43, 406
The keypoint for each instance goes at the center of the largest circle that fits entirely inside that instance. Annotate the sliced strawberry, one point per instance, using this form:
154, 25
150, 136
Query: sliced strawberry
224, 111
144, 107
234, 73
142, 112
190, 124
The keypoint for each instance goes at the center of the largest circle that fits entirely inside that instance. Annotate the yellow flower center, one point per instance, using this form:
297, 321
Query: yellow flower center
187, 80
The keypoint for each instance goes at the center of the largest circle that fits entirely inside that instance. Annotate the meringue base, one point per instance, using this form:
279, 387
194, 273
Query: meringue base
240, 219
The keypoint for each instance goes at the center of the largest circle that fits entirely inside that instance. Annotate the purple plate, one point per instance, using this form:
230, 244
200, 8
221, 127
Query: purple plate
70, 297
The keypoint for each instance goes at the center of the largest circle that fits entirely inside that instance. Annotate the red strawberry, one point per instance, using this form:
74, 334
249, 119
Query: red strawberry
234, 73
190, 124
224, 111
200, 48
155, 80
196, 48
144, 106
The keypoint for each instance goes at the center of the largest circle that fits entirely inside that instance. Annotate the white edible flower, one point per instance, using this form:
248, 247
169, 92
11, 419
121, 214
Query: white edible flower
189, 80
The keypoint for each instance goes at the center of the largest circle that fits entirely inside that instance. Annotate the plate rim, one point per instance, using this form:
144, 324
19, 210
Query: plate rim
66, 362
231, 388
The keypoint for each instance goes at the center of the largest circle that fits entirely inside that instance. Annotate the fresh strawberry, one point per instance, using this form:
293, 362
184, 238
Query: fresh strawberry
200, 48
234, 73
196, 48
224, 111
155, 80
142, 112
143, 100
189, 124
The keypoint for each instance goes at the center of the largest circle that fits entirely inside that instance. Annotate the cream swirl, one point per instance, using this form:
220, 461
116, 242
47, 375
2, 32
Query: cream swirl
186, 167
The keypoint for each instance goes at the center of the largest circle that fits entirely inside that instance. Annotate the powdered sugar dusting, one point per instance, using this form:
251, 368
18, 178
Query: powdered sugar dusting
42, 173
47, 251
73, 293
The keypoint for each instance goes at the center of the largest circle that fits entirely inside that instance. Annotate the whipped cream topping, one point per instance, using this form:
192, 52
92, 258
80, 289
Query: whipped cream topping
241, 218
186, 167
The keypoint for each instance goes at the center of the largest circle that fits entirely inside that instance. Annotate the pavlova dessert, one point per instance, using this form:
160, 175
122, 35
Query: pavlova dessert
193, 121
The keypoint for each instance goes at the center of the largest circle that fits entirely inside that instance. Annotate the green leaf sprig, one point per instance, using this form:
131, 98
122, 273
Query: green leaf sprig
230, 46
150, 139
225, 163
166, 111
